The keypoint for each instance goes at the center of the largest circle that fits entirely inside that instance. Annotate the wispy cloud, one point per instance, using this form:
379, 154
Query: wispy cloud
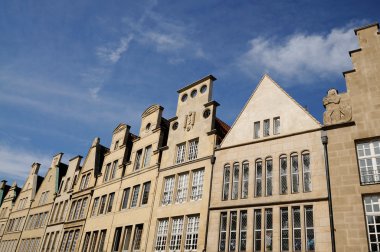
112, 54
300, 57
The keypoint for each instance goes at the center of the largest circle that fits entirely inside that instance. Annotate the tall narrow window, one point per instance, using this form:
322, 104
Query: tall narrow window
116, 145
180, 157
297, 242
369, 161
75, 240
168, 190
135, 195
284, 229
257, 230
116, 239
95, 206
372, 212
145, 194
102, 204
295, 173
197, 185
243, 231
309, 225
223, 232
283, 175
259, 175
235, 181
127, 238
64, 211
244, 186
162, 235
110, 202
233, 227
113, 170
269, 170
138, 160
176, 234
276, 125
183, 183
256, 130
83, 207
147, 155
266, 127
193, 149
306, 172
192, 233
124, 201
86, 242
106, 172
226, 182
268, 230
102, 239
137, 237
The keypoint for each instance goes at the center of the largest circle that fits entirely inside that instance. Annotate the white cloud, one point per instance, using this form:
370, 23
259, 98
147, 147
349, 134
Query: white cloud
15, 164
113, 55
301, 57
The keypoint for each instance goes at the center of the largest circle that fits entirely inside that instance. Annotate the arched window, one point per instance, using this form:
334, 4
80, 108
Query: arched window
295, 173
245, 178
226, 182
283, 174
235, 181
258, 177
306, 171
268, 176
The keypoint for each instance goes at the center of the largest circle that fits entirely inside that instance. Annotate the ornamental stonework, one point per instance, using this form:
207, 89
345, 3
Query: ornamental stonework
337, 110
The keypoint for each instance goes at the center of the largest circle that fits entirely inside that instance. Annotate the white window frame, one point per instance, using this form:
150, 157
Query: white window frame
176, 234
192, 229
167, 197
193, 149
197, 184
180, 153
162, 235
182, 188
368, 154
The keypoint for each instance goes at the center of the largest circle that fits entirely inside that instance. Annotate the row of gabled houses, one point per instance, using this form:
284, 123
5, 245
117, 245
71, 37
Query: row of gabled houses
276, 180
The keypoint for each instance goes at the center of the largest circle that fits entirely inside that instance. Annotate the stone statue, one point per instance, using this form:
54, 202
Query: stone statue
189, 121
337, 111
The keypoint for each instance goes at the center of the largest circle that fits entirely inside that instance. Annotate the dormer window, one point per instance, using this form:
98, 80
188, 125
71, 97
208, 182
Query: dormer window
266, 127
276, 125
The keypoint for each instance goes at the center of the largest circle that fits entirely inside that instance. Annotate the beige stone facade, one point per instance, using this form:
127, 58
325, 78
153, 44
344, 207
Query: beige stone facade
192, 183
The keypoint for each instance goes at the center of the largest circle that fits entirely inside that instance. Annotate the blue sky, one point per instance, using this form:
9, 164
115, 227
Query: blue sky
73, 70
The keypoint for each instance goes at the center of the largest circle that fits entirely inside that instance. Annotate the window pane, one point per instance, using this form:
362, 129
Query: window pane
193, 149
244, 189
256, 129
269, 169
283, 175
226, 182
266, 127
183, 184
197, 185
223, 232
162, 233
145, 195
306, 172
268, 230
147, 155
235, 181
259, 173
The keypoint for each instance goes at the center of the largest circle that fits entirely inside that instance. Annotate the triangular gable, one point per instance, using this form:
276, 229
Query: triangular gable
268, 101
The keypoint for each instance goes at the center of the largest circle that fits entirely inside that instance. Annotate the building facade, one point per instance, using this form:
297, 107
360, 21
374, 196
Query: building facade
276, 180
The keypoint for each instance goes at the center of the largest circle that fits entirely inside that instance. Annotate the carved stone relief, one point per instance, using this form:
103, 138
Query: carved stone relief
189, 121
337, 111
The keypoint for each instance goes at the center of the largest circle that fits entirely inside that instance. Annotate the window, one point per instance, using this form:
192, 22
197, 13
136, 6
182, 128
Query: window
276, 125
145, 195
309, 225
223, 232
283, 175
124, 201
75, 240
268, 230
372, 212
295, 173
244, 186
233, 226
102, 240
84, 181
183, 183
257, 230
64, 211
135, 195
306, 172
95, 206
268, 174
243, 231
297, 242
256, 130
235, 181
193, 149
180, 158
113, 170
127, 238
176, 234
266, 127
110, 202
94, 240
86, 241
162, 234
284, 229
137, 237
197, 185
116, 145
83, 207
147, 155
43, 198
116, 239
369, 161
168, 190
138, 159
259, 175
102, 204
192, 233
66, 185
226, 182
